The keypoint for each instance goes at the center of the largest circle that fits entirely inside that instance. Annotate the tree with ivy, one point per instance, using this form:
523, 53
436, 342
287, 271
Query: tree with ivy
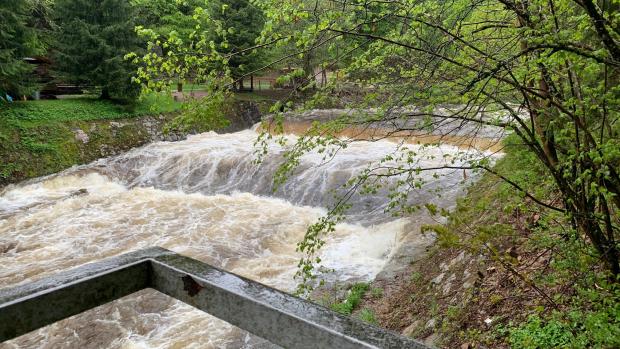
18, 40
91, 42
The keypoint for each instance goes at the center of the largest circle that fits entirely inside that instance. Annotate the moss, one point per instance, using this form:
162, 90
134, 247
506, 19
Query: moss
34, 148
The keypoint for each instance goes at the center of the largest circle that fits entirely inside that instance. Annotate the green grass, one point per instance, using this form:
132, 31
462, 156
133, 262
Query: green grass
367, 315
191, 87
37, 137
353, 299
86, 109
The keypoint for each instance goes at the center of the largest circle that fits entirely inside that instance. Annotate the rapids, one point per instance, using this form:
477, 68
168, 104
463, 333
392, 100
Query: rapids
206, 198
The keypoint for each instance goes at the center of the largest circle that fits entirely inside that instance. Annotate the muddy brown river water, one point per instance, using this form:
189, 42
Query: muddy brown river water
207, 198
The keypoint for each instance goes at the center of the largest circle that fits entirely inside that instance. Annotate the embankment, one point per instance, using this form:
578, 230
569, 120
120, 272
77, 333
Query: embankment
31, 148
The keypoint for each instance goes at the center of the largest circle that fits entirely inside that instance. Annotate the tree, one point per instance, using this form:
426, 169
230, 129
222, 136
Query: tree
91, 42
546, 71
549, 70
217, 42
164, 18
18, 40
242, 23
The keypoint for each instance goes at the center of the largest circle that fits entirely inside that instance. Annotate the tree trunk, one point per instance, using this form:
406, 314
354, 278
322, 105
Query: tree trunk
105, 94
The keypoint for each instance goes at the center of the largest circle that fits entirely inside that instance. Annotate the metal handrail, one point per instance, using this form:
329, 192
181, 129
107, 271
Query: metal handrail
280, 318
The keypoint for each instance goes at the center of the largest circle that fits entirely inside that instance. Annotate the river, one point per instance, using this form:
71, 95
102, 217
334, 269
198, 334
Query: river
207, 198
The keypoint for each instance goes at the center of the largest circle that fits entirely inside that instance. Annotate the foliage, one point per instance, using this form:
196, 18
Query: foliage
18, 40
584, 329
546, 71
91, 42
561, 297
354, 297
203, 116
535, 334
368, 316
214, 52
376, 292
243, 22
165, 16
37, 138
590, 316
42, 20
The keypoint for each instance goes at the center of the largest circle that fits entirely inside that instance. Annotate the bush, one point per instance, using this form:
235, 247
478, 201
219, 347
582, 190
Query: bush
353, 299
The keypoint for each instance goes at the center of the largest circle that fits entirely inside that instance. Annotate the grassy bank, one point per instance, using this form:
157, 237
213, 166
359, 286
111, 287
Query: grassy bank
42, 137
85, 109
505, 273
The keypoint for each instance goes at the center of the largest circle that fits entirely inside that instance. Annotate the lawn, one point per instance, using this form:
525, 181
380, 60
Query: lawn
87, 109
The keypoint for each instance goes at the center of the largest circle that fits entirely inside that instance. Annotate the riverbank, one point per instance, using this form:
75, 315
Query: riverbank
502, 274
39, 138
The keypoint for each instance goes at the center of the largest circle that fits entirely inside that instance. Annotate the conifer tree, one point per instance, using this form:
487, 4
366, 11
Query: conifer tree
17, 41
91, 41
243, 22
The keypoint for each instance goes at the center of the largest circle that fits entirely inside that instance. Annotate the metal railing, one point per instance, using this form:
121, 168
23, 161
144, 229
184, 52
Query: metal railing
266, 312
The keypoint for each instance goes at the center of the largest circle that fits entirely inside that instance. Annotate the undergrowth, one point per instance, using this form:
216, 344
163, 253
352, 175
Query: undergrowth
560, 293
352, 300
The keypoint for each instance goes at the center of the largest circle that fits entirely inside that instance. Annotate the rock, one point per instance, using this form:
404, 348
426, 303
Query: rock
432, 340
443, 267
469, 279
249, 113
412, 247
6, 246
448, 284
458, 259
468, 284
411, 329
466, 346
81, 135
436, 280
431, 323
82, 191
172, 137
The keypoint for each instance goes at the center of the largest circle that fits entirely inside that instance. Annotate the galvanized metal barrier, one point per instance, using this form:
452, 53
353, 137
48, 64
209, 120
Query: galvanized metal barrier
268, 313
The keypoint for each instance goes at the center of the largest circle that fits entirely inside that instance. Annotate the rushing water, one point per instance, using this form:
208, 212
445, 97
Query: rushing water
205, 198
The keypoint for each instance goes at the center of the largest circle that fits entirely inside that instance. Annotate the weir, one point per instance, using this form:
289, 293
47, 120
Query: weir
282, 319
208, 199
